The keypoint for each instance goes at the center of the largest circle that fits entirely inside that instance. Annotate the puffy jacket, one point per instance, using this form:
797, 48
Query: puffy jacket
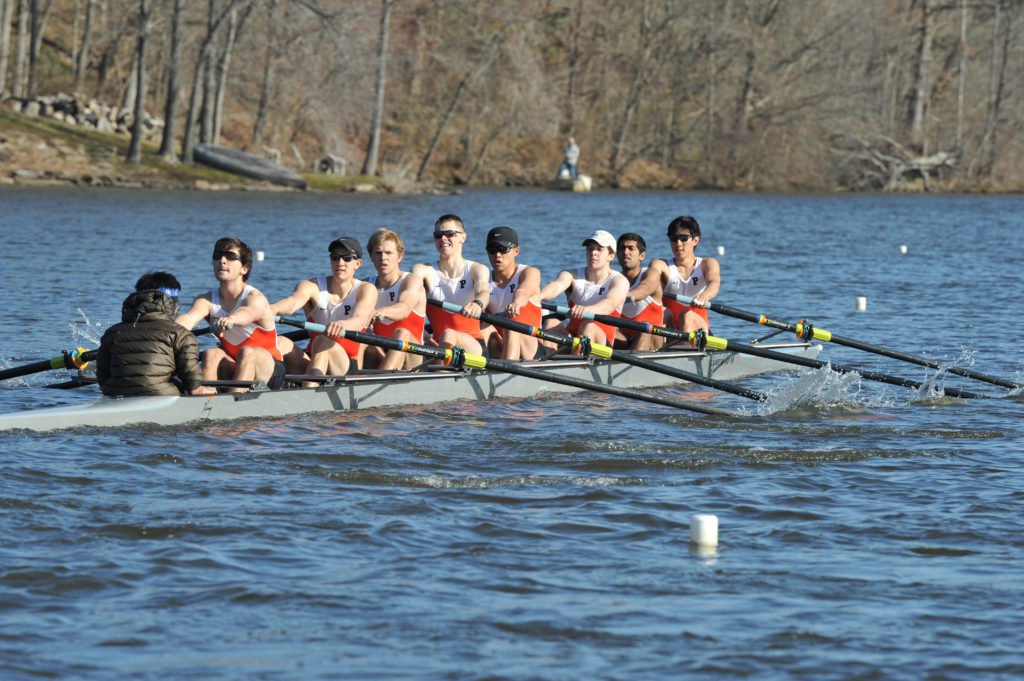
140, 355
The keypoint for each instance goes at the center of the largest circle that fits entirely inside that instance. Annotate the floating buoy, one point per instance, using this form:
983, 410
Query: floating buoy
704, 530
721, 250
259, 255
903, 249
862, 303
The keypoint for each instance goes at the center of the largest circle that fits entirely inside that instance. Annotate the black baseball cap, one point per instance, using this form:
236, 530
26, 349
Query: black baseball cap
346, 243
503, 236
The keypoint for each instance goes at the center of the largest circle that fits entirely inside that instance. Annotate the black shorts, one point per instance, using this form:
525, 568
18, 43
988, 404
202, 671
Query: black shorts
276, 379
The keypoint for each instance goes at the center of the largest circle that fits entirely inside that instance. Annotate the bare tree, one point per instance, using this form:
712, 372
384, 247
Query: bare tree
84, 50
173, 84
138, 123
6, 15
373, 149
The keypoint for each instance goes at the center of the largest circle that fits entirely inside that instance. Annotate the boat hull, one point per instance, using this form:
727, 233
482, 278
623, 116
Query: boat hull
367, 391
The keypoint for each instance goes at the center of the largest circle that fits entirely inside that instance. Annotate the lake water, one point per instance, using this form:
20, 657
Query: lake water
866, 532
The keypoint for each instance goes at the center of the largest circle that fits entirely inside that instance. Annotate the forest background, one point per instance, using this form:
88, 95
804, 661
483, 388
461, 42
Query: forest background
776, 95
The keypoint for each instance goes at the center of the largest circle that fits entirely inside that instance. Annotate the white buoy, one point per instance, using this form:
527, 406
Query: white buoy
903, 249
704, 530
721, 250
259, 255
862, 303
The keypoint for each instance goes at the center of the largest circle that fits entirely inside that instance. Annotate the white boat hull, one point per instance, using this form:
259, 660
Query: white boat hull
391, 390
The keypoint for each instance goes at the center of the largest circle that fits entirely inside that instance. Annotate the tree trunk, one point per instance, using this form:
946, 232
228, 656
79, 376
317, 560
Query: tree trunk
83, 52
173, 85
6, 17
222, 77
373, 150
922, 86
463, 85
139, 122
21, 49
636, 86
961, 78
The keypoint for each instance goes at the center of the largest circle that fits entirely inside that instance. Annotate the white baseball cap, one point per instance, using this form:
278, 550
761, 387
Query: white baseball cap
603, 238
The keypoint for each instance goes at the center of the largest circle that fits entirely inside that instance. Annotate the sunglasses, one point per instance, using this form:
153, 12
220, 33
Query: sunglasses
495, 249
347, 257
446, 232
230, 255
681, 237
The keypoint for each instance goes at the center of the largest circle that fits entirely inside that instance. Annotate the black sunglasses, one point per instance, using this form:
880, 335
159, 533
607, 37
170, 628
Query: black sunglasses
681, 237
347, 257
446, 232
230, 255
495, 249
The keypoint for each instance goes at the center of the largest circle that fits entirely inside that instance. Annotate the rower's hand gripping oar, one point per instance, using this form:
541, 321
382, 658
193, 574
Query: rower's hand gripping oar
806, 332
457, 358
702, 340
585, 347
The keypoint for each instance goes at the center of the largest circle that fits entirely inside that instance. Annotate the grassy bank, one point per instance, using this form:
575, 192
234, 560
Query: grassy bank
41, 150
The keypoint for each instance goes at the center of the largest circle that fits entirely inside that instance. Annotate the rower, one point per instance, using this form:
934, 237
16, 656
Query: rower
643, 303
687, 275
239, 315
453, 279
147, 353
401, 303
595, 288
341, 303
514, 293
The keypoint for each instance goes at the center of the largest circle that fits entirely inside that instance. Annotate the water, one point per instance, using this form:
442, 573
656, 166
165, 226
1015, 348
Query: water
867, 532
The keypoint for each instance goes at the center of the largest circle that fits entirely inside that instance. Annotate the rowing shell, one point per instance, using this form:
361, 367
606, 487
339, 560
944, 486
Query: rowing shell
374, 390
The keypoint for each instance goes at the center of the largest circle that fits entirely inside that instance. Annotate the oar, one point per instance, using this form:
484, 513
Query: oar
716, 343
584, 347
457, 358
805, 331
69, 359
76, 359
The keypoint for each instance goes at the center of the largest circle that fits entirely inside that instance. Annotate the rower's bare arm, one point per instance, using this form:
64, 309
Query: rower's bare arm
529, 289
556, 286
713, 277
254, 309
616, 296
200, 309
424, 276
481, 277
366, 301
410, 297
305, 291
650, 285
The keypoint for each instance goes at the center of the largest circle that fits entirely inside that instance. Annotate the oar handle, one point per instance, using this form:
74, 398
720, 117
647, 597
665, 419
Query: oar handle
712, 342
455, 357
578, 345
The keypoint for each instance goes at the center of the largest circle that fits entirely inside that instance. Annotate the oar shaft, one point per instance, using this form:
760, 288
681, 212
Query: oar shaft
504, 366
65, 360
829, 337
606, 352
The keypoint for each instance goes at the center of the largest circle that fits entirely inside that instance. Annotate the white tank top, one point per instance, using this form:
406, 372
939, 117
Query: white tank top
236, 335
502, 296
458, 290
693, 284
585, 293
631, 310
389, 296
325, 311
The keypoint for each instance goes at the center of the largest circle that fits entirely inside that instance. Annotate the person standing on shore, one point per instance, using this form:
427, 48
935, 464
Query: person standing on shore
571, 159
